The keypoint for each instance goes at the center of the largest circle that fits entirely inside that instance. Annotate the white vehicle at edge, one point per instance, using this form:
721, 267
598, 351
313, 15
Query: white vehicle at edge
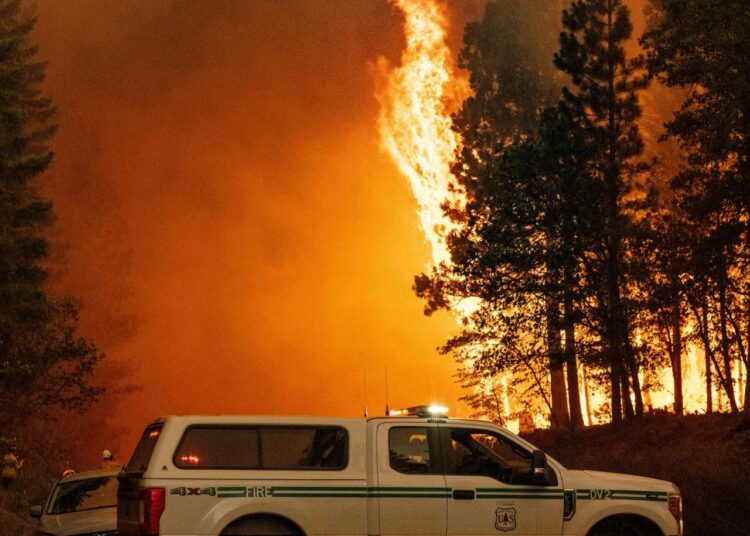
80, 504
417, 474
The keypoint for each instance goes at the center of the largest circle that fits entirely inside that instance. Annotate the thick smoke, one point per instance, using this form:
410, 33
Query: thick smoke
235, 235
237, 239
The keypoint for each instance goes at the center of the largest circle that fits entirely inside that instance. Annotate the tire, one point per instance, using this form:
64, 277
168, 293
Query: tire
625, 526
262, 525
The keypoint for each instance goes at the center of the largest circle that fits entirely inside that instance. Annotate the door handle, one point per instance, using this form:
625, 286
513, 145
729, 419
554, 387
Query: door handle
463, 494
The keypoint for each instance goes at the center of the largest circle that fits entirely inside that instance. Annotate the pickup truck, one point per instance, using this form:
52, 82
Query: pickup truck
419, 473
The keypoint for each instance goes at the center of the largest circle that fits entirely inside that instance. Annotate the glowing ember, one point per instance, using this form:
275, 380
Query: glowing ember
415, 123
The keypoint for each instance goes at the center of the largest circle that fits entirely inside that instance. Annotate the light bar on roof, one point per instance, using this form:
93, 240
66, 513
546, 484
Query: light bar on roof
433, 410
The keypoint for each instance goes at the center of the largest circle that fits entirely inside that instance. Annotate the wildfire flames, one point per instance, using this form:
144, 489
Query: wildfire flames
415, 123
415, 129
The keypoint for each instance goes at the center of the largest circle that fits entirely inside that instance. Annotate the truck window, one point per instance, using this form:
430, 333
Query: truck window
86, 494
263, 447
303, 448
409, 450
219, 448
484, 453
142, 454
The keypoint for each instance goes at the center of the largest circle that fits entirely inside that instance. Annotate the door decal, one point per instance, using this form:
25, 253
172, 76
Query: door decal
505, 519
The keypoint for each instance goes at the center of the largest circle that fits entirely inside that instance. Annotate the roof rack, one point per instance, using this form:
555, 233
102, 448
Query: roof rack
432, 410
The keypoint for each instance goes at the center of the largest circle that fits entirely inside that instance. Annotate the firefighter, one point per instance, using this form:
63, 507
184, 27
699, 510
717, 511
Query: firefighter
108, 460
11, 465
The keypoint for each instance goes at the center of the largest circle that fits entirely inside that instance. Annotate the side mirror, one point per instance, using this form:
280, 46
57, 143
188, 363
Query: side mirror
539, 469
36, 511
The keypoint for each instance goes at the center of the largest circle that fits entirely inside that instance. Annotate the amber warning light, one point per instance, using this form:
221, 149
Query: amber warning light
674, 501
433, 410
191, 459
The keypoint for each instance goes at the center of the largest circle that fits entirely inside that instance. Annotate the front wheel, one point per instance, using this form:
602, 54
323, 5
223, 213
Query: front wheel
625, 526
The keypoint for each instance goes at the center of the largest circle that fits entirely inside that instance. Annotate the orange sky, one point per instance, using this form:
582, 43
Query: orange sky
225, 214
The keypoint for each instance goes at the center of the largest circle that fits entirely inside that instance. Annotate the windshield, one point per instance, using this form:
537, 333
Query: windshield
485, 453
87, 494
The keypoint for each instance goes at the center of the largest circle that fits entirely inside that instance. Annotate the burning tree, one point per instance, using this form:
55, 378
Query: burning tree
702, 45
604, 106
42, 362
572, 247
545, 234
493, 258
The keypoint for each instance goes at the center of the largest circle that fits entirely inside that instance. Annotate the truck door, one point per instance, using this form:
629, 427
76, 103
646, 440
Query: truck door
411, 491
492, 491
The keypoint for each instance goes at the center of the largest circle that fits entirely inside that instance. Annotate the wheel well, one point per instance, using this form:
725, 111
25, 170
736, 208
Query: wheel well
639, 525
262, 525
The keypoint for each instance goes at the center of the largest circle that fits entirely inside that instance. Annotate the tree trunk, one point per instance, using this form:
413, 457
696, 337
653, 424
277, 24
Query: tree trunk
615, 398
587, 396
559, 404
627, 404
613, 240
632, 366
676, 357
744, 166
747, 361
574, 395
740, 390
728, 385
709, 382
701, 314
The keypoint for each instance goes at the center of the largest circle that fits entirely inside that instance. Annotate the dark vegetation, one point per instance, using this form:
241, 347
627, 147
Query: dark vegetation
46, 455
705, 455
44, 364
46, 367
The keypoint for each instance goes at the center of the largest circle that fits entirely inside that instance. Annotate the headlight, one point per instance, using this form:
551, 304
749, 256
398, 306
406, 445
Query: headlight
674, 502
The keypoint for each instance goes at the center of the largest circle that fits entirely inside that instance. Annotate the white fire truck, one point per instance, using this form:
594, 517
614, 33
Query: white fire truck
420, 473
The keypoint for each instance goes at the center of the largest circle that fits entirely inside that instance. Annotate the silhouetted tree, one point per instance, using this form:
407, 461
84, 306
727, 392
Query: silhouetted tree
702, 45
604, 105
508, 56
42, 361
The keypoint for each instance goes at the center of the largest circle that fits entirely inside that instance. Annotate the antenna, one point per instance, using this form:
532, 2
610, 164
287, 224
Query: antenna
365, 386
387, 409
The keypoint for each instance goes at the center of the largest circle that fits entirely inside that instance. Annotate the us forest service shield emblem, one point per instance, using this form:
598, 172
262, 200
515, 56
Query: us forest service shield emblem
505, 519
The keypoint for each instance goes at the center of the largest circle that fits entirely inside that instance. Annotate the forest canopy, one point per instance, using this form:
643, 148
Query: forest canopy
599, 267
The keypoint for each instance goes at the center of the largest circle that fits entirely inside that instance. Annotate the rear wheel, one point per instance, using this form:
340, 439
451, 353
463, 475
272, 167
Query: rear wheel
262, 525
625, 526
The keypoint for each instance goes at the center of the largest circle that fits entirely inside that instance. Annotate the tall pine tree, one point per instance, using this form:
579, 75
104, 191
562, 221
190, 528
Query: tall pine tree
507, 55
42, 362
603, 103
702, 45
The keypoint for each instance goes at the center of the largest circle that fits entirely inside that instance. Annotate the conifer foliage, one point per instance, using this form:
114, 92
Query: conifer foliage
580, 251
496, 253
603, 104
702, 45
43, 362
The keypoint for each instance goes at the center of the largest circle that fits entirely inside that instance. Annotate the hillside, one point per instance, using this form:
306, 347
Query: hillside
708, 457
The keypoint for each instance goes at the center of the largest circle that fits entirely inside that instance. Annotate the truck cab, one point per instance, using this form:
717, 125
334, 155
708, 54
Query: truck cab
419, 473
